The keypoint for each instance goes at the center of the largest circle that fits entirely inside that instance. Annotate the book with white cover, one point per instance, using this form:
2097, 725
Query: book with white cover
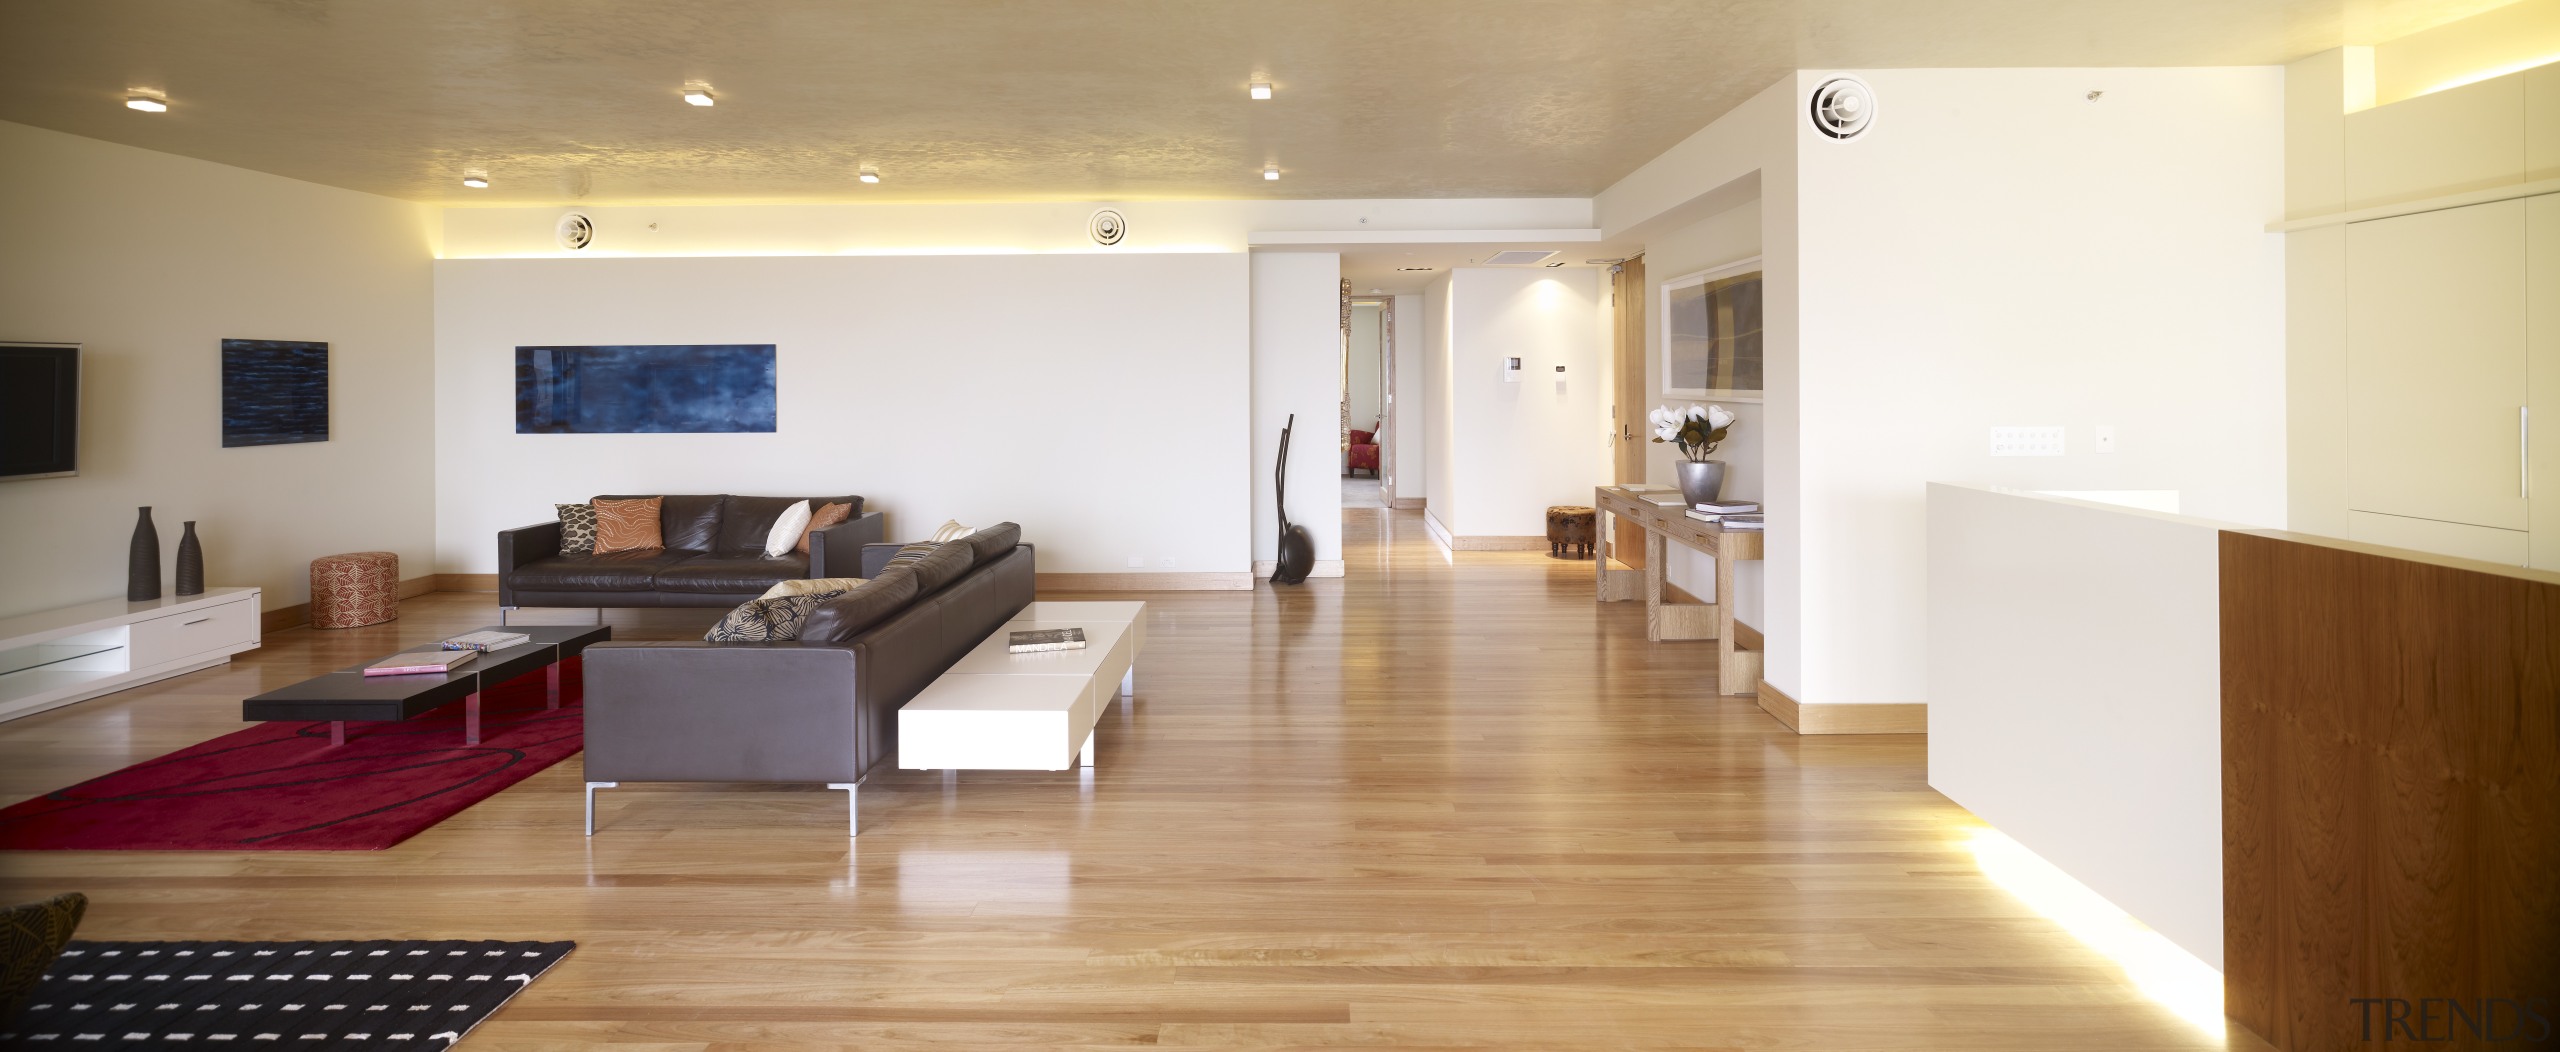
1666, 500
417, 662
1743, 522
1728, 507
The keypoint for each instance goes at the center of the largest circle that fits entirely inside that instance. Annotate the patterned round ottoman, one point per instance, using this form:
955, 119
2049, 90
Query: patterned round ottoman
355, 589
1571, 526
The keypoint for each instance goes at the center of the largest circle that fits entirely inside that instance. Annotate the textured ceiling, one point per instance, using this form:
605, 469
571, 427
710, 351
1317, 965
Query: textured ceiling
1032, 99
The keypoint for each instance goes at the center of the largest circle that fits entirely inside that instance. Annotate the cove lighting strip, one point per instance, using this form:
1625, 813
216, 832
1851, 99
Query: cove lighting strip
2163, 970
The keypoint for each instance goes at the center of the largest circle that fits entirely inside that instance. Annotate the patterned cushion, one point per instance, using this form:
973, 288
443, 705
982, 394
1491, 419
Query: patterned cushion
577, 528
912, 553
767, 620
627, 525
31, 936
825, 516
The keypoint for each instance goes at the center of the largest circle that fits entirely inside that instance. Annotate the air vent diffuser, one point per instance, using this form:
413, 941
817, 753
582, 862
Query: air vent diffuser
1519, 257
1841, 108
576, 231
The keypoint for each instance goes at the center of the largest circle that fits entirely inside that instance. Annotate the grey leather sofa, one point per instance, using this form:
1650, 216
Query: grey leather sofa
822, 709
714, 556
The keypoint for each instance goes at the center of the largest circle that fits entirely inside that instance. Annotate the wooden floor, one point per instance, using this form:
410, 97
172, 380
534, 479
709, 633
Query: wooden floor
1437, 803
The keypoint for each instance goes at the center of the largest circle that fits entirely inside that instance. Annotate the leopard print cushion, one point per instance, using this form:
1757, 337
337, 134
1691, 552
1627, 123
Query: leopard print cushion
31, 936
774, 620
577, 528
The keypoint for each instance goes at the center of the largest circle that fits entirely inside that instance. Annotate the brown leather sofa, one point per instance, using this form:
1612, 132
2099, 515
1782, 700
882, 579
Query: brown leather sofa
714, 556
822, 709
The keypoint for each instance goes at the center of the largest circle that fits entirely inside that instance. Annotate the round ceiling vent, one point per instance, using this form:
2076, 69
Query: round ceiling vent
576, 231
1842, 108
1107, 227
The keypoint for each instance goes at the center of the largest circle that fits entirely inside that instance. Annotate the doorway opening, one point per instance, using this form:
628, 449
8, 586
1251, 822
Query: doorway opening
1368, 398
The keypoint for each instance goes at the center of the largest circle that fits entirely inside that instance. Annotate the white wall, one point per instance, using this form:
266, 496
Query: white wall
1297, 369
1439, 481
1100, 401
1998, 250
2075, 693
1520, 447
151, 260
1411, 394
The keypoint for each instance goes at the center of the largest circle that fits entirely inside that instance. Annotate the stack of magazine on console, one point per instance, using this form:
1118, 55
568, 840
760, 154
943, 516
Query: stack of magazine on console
1727, 512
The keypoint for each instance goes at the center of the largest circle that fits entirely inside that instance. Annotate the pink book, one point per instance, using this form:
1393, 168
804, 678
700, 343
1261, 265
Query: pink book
420, 662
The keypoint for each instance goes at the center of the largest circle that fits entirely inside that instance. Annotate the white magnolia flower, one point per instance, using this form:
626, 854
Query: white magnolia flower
1718, 417
1697, 412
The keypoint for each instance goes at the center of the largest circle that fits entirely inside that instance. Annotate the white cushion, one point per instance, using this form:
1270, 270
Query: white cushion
951, 531
787, 530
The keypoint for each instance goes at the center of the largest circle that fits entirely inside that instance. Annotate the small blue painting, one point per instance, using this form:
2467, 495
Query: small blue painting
695, 388
274, 392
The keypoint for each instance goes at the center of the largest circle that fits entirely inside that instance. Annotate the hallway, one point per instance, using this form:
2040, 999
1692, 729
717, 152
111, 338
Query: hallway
1445, 801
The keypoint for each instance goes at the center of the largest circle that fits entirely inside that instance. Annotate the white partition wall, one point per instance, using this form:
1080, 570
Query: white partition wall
2075, 693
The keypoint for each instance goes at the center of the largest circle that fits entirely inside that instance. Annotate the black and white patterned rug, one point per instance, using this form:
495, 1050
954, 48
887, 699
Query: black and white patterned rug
300, 995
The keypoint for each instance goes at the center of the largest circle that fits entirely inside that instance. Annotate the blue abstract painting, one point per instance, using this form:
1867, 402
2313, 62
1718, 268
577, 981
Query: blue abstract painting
697, 388
274, 391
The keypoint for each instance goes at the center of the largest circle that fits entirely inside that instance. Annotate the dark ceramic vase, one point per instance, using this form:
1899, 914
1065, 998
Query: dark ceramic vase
142, 573
190, 562
1297, 547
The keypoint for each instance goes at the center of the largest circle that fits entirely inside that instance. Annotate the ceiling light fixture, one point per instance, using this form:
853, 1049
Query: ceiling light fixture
1261, 89
1413, 268
476, 179
1558, 263
1271, 173
146, 101
698, 95
869, 174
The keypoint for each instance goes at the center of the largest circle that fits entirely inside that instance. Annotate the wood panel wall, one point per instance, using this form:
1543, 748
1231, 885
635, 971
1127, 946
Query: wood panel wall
2391, 796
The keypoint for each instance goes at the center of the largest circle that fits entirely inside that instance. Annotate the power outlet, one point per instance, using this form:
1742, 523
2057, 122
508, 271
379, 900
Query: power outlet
2026, 441
2102, 439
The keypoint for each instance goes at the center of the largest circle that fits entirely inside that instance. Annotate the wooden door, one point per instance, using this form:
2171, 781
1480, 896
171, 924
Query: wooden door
1627, 300
2436, 366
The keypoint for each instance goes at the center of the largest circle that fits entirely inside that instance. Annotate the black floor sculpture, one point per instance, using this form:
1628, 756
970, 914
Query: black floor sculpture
1297, 547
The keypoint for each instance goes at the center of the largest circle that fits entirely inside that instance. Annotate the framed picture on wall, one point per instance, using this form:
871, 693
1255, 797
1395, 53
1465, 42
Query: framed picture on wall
1711, 333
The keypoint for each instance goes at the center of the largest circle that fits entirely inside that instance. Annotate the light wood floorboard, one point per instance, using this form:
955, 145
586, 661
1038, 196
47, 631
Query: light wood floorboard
1446, 801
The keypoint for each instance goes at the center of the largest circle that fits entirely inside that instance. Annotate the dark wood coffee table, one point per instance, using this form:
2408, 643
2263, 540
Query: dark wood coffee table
349, 694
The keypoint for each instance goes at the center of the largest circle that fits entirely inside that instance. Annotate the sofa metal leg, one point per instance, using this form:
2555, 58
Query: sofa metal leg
591, 803
852, 805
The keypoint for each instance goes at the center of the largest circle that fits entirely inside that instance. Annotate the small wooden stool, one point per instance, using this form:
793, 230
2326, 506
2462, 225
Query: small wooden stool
1571, 526
355, 589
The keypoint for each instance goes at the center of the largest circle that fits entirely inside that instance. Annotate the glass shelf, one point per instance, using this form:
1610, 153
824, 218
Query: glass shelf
42, 654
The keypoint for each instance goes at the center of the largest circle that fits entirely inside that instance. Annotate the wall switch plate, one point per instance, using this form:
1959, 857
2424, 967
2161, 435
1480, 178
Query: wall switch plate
2103, 439
1137, 562
2026, 441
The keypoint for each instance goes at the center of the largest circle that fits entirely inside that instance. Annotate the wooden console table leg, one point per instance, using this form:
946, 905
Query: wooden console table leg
471, 719
1653, 560
1737, 670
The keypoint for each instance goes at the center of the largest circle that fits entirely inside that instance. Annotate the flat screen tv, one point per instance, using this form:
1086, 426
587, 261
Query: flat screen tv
39, 410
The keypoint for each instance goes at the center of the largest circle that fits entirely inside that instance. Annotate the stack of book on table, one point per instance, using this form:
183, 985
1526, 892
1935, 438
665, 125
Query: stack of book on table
1045, 639
420, 662
491, 640
1730, 514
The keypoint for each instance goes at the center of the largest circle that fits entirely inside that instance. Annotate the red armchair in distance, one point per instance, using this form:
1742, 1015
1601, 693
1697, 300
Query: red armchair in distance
1362, 454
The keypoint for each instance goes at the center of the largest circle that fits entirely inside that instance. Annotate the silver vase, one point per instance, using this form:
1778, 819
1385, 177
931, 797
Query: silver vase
1700, 480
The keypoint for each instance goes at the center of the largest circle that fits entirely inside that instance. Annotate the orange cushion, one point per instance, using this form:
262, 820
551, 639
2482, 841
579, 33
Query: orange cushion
822, 518
628, 525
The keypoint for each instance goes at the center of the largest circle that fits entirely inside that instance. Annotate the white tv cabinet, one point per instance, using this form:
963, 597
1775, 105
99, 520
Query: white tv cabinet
52, 658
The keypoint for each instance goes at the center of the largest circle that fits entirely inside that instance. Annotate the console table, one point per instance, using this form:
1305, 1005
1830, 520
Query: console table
997, 710
55, 657
1737, 670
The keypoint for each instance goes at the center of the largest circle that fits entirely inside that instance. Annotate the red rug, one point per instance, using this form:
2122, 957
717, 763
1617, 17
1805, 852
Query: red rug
282, 787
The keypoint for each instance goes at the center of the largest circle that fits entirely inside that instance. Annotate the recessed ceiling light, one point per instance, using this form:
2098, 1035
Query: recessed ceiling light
1261, 89
698, 95
869, 174
476, 179
146, 101
1555, 264
1271, 172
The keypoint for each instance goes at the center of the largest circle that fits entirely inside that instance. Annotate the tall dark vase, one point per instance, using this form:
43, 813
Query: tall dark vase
1297, 547
190, 562
142, 576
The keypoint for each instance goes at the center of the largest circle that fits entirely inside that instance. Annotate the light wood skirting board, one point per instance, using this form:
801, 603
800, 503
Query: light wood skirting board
282, 617
466, 582
1145, 582
1856, 718
1262, 568
1498, 544
1407, 503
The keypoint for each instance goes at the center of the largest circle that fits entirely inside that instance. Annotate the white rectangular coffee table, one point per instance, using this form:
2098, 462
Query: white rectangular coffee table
996, 710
